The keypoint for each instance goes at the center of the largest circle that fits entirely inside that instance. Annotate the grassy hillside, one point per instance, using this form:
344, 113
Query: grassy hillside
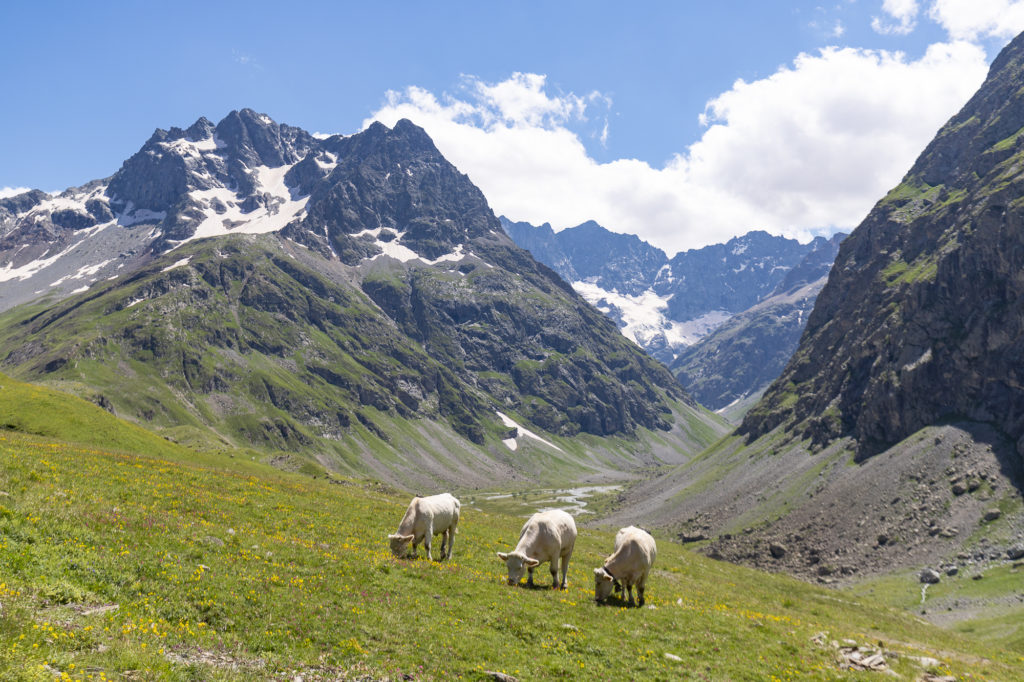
253, 342
119, 565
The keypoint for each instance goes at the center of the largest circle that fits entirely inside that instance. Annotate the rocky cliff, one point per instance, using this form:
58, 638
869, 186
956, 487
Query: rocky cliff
922, 318
893, 438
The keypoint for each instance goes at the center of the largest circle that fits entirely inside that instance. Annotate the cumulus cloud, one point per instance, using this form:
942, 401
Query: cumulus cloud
903, 11
804, 151
12, 191
974, 19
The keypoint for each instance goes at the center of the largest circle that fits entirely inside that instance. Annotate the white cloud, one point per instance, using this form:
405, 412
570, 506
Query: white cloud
809, 149
974, 19
903, 11
12, 191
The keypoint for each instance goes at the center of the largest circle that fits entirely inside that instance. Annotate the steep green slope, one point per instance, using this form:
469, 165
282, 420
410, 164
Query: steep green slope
252, 341
123, 566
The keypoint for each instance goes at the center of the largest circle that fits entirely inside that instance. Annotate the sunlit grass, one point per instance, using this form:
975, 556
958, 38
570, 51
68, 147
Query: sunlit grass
114, 565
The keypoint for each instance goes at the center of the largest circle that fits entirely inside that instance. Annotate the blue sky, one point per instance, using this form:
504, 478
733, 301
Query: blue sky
672, 120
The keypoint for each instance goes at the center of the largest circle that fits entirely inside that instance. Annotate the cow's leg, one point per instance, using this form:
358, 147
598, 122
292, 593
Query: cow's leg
444, 544
565, 569
427, 540
640, 591
451, 540
629, 591
554, 573
529, 576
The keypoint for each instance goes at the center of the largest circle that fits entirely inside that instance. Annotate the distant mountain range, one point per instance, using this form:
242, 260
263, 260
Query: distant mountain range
756, 290
348, 302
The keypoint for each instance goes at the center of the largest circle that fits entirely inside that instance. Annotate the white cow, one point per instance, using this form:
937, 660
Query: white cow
546, 536
425, 518
629, 564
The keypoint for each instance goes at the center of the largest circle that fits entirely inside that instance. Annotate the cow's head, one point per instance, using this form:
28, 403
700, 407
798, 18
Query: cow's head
400, 544
517, 562
603, 584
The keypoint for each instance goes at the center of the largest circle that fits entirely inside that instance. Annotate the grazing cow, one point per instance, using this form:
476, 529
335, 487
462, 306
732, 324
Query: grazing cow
629, 564
425, 518
546, 536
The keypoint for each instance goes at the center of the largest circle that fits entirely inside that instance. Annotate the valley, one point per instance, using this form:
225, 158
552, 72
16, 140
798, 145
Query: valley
116, 563
227, 366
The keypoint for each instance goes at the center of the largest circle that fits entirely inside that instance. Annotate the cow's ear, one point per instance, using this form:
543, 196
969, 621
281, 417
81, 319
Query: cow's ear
503, 556
393, 536
602, 574
531, 562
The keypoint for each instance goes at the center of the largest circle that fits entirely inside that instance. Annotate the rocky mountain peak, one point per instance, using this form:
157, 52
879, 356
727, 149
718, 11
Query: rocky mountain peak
202, 129
384, 188
992, 115
255, 139
382, 192
921, 319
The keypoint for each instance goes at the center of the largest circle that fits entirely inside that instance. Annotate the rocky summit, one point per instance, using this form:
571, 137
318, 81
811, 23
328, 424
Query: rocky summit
346, 302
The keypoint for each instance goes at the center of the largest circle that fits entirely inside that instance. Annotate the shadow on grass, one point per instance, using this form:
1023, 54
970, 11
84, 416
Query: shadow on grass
534, 586
618, 602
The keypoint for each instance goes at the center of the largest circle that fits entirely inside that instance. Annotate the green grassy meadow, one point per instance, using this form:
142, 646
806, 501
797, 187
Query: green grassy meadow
149, 565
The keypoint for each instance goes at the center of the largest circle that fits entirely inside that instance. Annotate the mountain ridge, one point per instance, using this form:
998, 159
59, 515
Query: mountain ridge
357, 298
723, 317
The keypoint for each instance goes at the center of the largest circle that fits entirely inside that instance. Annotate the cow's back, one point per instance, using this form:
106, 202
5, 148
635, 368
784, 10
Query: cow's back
443, 509
635, 550
547, 535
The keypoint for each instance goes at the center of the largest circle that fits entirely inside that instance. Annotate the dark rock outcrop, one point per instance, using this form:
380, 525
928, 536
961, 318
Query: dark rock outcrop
922, 319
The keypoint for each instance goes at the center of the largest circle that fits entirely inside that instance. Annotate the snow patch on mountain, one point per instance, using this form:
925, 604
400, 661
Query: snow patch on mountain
8, 272
223, 212
644, 317
86, 271
178, 264
512, 443
393, 248
136, 216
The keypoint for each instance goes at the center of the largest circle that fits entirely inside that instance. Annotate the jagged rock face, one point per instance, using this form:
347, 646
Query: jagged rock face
726, 317
749, 351
393, 180
542, 242
731, 276
621, 262
922, 318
